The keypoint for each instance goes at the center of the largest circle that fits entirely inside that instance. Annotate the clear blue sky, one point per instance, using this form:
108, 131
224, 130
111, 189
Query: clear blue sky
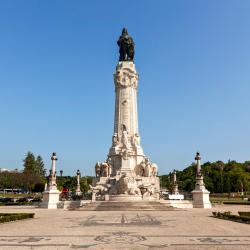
56, 80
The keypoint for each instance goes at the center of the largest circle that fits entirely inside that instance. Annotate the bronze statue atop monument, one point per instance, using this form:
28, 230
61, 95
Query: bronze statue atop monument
127, 46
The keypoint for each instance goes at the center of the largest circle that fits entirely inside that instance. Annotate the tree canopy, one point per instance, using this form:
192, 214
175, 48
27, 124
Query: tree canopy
219, 177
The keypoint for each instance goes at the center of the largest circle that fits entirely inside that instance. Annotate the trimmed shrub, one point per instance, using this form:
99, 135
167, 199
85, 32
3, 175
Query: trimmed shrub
25, 203
6, 217
236, 202
228, 216
245, 214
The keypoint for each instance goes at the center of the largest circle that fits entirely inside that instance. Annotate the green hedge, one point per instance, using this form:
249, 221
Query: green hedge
6, 217
12, 203
229, 216
245, 214
237, 202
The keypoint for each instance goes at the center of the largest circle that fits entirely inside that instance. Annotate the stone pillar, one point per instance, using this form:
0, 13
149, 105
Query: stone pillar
175, 188
129, 170
175, 195
78, 187
52, 184
200, 193
198, 163
126, 151
51, 194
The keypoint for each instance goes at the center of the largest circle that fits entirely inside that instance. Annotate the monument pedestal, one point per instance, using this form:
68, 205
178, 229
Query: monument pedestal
200, 193
201, 199
50, 199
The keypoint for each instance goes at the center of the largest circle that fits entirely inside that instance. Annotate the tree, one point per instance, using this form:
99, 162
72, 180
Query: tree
29, 163
39, 166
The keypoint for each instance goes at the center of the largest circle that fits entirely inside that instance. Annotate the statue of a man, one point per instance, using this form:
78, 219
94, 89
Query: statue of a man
126, 45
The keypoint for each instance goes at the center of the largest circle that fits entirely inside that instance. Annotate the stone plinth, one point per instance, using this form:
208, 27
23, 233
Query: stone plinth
50, 199
200, 194
201, 199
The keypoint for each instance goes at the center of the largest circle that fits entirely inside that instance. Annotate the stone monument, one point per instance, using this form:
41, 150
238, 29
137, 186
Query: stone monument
127, 174
78, 187
175, 195
200, 193
51, 193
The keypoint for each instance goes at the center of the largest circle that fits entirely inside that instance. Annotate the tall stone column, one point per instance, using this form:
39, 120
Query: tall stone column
126, 151
200, 193
52, 183
175, 184
78, 187
51, 194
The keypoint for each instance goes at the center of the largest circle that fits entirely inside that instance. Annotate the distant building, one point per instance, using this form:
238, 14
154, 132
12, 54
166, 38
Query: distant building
5, 170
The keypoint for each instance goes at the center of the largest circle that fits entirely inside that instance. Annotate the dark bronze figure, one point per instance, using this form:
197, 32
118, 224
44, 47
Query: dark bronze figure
127, 46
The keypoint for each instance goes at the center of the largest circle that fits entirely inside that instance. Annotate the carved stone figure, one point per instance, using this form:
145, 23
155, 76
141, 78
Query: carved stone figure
147, 167
105, 169
98, 169
154, 169
115, 140
125, 139
137, 139
122, 187
126, 45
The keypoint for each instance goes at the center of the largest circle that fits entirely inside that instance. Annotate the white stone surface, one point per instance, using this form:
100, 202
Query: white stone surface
178, 203
50, 199
176, 197
201, 199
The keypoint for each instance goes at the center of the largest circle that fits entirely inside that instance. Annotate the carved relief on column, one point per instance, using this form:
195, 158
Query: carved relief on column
126, 75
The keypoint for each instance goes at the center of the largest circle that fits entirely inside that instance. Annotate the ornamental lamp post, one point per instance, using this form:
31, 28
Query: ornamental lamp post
78, 187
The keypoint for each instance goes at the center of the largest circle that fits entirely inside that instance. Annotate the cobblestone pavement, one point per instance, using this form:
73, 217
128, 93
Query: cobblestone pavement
182, 229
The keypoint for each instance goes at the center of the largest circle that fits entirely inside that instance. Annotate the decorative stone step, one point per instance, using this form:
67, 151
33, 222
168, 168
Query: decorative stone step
125, 206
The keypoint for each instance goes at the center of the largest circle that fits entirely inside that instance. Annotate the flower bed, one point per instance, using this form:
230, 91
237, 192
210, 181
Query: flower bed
6, 217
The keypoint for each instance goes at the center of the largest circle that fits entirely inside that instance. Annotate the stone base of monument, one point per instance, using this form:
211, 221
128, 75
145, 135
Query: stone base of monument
201, 199
124, 197
50, 199
178, 203
126, 206
67, 205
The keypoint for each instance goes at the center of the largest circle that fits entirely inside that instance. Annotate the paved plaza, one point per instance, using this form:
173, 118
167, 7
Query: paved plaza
178, 229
